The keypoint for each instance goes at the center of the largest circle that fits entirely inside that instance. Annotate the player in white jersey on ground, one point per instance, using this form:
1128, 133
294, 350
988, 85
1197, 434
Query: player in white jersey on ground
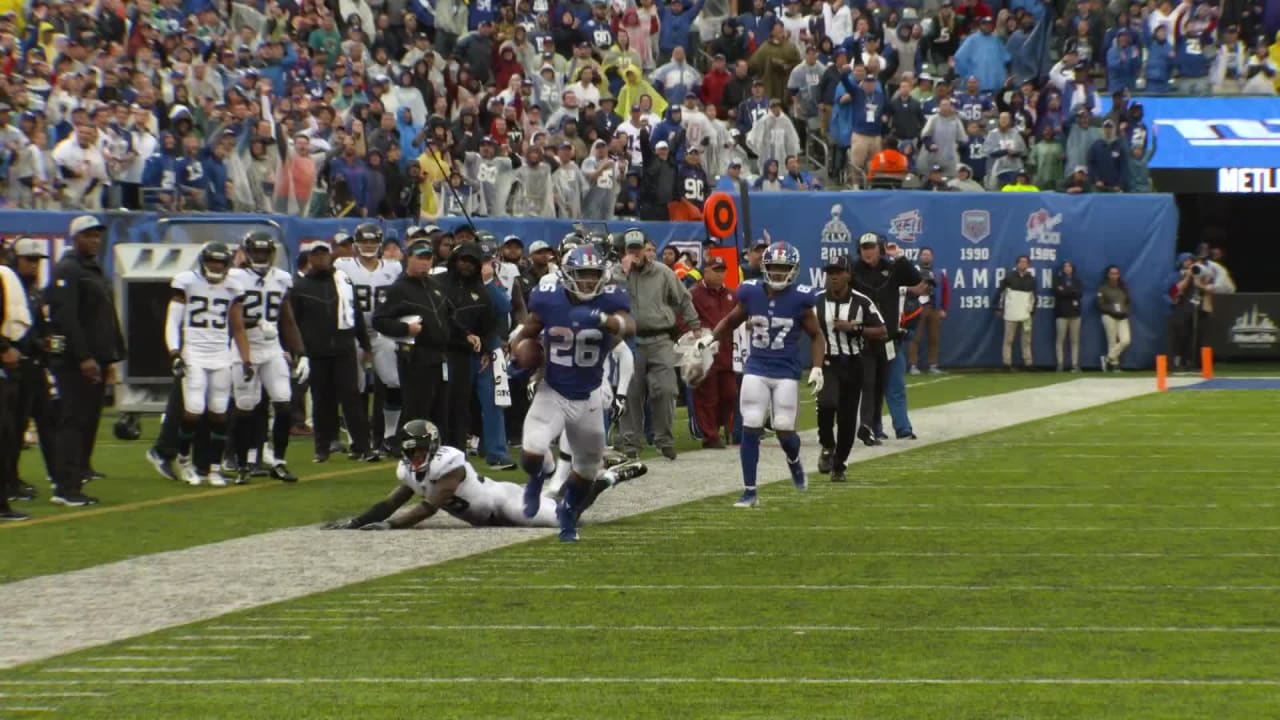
445, 480
268, 320
203, 320
370, 275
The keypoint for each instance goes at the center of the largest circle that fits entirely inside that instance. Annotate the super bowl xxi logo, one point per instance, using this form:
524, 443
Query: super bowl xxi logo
1042, 228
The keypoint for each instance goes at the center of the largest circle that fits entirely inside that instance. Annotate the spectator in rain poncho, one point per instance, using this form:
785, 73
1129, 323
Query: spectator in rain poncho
1081, 136
568, 184
405, 95
1006, 150
534, 176
984, 55
410, 137
635, 87
677, 78
604, 176
698, 130
774, 137
719, 148
492, 176
943, 133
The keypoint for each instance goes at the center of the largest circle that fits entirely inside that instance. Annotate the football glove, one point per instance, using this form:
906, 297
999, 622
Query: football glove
247, 369
302, 370
177, 367
815, 380
619, 408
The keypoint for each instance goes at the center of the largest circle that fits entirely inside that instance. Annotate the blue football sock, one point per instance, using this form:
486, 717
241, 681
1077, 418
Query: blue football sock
749, 452
790, 445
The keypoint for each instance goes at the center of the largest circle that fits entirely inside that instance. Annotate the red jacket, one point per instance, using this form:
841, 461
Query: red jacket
713, 84
712, 306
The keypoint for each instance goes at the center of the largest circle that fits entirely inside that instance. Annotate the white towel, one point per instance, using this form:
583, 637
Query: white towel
17, 319
346, 300
501, 388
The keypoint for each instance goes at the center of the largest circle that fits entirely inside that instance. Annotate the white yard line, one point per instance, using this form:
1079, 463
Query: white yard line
1140, 681
27, 708
910, 554
57, 614
976, 629
68, 694
947, 528
116, 670
264, 636
158, 658
857, 587
185, 648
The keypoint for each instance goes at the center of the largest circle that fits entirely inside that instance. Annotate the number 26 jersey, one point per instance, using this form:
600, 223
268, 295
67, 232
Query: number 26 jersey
576, 347
773, 324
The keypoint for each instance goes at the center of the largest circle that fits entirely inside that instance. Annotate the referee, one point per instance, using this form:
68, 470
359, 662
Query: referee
847, 318
86, 329
415, 312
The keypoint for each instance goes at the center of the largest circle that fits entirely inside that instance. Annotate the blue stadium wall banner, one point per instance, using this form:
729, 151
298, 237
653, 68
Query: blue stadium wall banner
1213, 144
1244, 326
977, 238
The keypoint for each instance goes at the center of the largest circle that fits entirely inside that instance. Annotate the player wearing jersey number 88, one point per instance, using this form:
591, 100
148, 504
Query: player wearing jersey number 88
575, 320
774, 306
203, 319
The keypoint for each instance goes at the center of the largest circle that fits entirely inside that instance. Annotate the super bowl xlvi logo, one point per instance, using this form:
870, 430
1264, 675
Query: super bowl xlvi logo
975, 225
835, 231
907, 226
1255, 329
1042, 228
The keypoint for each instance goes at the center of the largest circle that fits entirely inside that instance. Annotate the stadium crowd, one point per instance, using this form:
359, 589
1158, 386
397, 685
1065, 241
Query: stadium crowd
589, 108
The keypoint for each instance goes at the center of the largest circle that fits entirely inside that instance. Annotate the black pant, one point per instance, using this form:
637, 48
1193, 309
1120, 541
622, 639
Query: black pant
519, 408
10, 439
875, 376
333, 383
79, 409
1182, 337
423, 394
460, 388
33, 403
839, 404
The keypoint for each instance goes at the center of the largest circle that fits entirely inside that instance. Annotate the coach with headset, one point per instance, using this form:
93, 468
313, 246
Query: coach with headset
886, 281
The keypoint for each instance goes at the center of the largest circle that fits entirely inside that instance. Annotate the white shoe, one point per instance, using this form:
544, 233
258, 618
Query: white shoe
187, 472
215, 477
914, 370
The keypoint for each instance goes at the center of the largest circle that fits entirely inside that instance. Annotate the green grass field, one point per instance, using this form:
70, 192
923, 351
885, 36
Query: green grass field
1116, 562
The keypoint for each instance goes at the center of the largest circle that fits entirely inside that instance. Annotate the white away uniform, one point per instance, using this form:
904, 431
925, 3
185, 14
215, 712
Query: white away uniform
205, 341
369, 286
478, 500
263, 297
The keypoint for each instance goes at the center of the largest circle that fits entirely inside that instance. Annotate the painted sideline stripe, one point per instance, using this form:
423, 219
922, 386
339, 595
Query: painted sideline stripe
851, 629
173, 499
115, 670
27, 708
242, 637
51, 694
485, 585
1187, 682
533, 559
744, 527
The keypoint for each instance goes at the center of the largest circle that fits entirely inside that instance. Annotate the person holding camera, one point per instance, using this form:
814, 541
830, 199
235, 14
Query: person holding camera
1113, 303
1191, 294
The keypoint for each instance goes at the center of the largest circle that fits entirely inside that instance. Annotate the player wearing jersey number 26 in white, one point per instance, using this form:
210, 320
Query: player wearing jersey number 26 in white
203, 319
774, 306
573, 321
445, 480
268, 320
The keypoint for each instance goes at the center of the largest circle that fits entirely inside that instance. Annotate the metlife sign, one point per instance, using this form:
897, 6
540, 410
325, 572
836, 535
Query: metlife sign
1224, 144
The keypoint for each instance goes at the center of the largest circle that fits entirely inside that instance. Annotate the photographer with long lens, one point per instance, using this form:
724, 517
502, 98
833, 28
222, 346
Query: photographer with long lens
1191, 293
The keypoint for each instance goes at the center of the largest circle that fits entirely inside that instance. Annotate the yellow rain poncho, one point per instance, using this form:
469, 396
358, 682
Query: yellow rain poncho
634, 85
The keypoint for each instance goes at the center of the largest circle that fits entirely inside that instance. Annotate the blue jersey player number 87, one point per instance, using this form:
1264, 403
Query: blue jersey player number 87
774, 306
577, 320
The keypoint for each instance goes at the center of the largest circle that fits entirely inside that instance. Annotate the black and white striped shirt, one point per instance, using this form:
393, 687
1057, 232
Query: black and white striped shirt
856, 308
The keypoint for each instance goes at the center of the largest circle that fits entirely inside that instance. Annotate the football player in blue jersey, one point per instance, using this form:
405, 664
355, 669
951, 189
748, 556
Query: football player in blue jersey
773, 306
573, 321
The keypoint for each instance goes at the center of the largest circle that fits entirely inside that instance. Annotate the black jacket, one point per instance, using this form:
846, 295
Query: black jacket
82, 311
423, 296
660, 182
472, 310
881, 283
32, 345
1066, 296
314, 299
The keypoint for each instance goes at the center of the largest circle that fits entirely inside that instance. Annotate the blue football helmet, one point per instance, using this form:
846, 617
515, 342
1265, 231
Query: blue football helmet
582, 273
781, 264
